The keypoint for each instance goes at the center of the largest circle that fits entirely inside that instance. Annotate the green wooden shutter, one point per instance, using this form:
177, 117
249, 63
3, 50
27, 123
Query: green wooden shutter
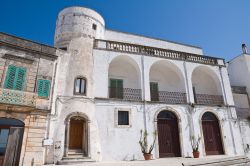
10, 77
19, 78
154, 91
46, 88
116, 88
43, 88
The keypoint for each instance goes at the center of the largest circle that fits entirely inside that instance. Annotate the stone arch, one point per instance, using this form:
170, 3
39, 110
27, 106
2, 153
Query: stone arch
167, 80
169, 109
179, 124
206, 85
125, 67
212, 133
166, 69
124, 78
79, 122
207, 79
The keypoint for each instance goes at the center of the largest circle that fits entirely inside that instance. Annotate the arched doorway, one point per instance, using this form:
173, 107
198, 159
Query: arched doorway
211, 134
168, 134
77, 136
11, 137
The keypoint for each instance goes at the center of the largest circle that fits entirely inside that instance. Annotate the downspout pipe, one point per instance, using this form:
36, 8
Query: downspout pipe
190, 108
143, 94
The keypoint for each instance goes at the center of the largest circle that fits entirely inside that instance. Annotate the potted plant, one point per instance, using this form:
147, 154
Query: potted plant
195, 146
145, 148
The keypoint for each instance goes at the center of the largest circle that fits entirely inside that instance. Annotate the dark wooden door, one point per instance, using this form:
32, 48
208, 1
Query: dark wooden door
212, 137
76, 134
168, 138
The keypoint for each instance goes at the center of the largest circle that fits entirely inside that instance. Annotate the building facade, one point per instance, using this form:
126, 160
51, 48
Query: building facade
239, 74
26, 72
100, 88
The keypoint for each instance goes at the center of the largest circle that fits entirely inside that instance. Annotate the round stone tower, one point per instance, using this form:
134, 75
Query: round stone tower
75, 22
76, 30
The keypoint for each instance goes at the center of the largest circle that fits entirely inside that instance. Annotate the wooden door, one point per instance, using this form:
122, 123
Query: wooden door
212, 136
76, 134
168, 137
13, 149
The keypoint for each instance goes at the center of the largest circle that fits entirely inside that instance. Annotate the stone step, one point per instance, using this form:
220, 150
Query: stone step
75, 157
229, 161
74, 161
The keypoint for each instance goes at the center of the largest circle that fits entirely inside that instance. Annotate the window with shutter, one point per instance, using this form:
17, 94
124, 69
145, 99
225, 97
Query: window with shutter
154, 91
15, 78
116, 88
43, 88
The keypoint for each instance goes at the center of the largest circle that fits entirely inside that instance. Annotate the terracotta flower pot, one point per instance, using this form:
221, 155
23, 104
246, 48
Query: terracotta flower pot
147, 156
196, 154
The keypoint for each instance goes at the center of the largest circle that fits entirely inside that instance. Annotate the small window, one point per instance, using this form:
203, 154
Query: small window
94, 26
15, 78
64, 48
123, 118
80, 86
43, 88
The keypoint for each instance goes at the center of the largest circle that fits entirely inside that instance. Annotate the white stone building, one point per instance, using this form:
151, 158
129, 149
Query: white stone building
106, 86
239, 74
110, 85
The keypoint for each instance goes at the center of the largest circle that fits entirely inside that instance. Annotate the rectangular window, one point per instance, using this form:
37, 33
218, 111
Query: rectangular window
43, 88
154, 91
80, 86
123, 117
15, 78
116, 88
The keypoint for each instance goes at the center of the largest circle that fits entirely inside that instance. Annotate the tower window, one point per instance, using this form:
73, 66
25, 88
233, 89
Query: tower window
94, 26
80, 86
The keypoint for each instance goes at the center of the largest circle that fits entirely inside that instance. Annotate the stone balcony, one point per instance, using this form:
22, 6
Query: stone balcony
21, 101
156, 52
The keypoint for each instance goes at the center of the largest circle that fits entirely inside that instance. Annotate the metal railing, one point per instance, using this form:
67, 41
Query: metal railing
125, 93
9, 96
169, 97
156, 52
206, 99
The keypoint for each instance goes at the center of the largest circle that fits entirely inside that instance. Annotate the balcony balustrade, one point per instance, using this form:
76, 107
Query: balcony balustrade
125, 93
157, 52
8, 96
169, 97
206, 99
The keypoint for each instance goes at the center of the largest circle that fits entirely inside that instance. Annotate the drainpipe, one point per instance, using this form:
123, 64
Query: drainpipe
190, 108
143, 94
228, 110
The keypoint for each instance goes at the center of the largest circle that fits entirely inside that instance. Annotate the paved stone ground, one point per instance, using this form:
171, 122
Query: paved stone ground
157, 162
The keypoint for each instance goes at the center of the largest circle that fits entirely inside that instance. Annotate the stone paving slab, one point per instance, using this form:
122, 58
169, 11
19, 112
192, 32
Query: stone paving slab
157, 162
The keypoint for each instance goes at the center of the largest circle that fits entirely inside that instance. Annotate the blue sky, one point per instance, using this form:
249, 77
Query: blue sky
218, 26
